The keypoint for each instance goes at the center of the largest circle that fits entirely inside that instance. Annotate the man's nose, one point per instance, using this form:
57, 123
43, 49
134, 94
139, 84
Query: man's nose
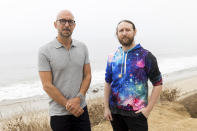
66, 24
124, 33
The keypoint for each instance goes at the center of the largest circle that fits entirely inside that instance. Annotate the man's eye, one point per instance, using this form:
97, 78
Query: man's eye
128, 30
70, 21
62, 20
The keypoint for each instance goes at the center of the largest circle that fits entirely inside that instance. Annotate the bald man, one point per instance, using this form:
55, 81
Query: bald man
65, 72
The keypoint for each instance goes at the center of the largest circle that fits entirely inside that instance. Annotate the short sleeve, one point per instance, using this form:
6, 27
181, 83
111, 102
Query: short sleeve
152, 70
108, 73
87, 60
43, 61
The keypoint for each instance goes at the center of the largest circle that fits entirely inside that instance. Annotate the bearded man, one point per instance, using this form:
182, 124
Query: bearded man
126, 82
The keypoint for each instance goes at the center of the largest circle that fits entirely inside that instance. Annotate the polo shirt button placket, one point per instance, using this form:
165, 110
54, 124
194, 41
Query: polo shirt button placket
69, 54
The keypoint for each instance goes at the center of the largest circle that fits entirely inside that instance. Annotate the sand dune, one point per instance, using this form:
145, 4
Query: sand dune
166, 116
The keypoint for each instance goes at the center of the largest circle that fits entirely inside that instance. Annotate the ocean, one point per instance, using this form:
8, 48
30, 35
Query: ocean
19, 76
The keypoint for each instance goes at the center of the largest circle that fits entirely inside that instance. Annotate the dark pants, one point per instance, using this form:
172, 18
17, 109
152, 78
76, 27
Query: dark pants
129, 123
71, 123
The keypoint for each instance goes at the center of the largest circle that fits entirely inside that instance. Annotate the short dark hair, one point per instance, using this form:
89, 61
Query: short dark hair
128, 21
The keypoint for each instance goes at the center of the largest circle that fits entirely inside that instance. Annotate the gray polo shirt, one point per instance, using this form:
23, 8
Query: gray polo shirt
67, 70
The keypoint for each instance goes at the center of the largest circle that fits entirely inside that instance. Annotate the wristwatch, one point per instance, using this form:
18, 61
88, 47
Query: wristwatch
81, 96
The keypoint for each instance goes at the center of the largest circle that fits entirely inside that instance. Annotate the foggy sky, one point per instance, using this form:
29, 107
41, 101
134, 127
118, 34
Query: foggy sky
162, 25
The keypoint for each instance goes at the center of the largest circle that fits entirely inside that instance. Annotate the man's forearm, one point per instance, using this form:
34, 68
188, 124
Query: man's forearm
85, 84
154, 97
107, 92
55, 94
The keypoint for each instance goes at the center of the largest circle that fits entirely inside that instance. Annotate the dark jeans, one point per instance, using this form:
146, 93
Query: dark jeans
71, 123
136, 122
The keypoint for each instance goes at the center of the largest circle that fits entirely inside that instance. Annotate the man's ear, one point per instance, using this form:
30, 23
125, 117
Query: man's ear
135, 32
55, 24
74, 25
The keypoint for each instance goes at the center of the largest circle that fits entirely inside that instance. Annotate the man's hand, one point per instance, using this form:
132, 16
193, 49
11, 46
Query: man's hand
107, 114
153, 99
144, 111
73, 106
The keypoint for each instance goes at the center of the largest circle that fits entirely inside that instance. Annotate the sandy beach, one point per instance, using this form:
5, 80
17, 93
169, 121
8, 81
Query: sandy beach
166, 115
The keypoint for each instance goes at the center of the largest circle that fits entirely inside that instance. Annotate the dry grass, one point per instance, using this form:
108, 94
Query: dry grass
27, 121
96, 108
39, 121
169, 94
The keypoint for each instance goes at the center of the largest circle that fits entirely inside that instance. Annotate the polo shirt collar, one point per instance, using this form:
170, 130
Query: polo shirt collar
59, 45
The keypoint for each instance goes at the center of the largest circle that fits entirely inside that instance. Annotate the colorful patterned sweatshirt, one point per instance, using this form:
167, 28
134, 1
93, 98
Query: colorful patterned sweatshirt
128, 73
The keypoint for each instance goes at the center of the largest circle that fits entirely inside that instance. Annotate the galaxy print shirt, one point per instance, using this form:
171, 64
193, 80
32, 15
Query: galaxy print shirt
128, 73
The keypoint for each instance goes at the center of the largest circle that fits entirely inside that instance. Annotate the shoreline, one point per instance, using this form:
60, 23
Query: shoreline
9, 108
185, 80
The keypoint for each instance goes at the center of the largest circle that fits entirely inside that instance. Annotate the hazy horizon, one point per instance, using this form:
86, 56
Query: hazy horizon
164, 27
